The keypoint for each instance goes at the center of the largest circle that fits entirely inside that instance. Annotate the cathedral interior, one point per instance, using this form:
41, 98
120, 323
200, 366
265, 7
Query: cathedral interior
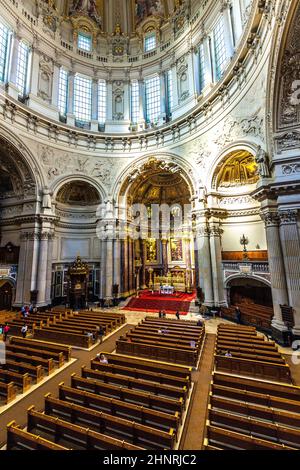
150, 162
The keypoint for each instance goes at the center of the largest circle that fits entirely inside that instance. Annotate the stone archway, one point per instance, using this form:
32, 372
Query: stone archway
7, 293
249, 290
152, 199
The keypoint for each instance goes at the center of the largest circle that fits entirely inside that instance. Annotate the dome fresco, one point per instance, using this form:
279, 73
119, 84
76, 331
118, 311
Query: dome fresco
121, 66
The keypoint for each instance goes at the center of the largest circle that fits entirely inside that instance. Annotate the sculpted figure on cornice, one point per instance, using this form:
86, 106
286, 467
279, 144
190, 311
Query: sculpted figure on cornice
262, 160
198, 152
45, 78
233, 129
59, 163
50, 15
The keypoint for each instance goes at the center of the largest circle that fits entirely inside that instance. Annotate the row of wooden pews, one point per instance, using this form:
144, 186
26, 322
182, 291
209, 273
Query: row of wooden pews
168, 340
128, 403
259, 316
27, 362
249, 409
251, 354
73, 328
251, 414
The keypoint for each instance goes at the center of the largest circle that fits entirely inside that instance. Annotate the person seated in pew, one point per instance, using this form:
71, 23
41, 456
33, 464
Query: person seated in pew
102, 358
100, 333
200, 322
228, 353
193, 344
238, 315
24, 330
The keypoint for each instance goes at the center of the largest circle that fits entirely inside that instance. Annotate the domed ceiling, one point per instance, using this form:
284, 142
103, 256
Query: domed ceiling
78, 193
110, 16
161, 188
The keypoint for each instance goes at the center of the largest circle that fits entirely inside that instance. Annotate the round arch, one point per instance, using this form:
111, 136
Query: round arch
23, 156
250, 147
60, 182
250, 276
7, 293
138, 168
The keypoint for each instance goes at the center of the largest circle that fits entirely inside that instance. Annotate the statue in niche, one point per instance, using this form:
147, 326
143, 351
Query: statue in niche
263, 163
86, 8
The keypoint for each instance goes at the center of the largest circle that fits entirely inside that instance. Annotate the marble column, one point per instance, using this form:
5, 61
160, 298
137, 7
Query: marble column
164, 251
144, 261
94, 120
202, 249
237, 20
125, 266
141, 103
55, 82
162, 117
13, 65
34, 73
45, 236
48, 299
216, 264
70, 101
108, 270
109, 99
130, 265
28, 264
117, 264
188, 264
290, 242
276, 267
228, 32
174, 85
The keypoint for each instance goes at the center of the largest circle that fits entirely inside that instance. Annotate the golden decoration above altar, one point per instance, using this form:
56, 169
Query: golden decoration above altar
78, 268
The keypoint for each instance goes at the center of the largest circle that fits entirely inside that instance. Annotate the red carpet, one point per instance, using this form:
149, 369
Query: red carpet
179, 301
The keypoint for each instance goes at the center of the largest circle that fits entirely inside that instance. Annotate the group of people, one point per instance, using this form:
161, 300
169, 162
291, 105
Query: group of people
94, 334
26, 310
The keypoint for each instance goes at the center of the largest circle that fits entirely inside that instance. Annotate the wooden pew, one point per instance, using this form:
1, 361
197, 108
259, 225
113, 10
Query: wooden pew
141, 374
36, 372
290, 392
186, 356
22, 381
135, 384
255, 398
8, 392
99, 421
266, 370
47, 364
133, 362
42, 346
139, 413
56, 356
134, 396
256, 411
62, 336
254, 427
230, 440
76, 437
18, 439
